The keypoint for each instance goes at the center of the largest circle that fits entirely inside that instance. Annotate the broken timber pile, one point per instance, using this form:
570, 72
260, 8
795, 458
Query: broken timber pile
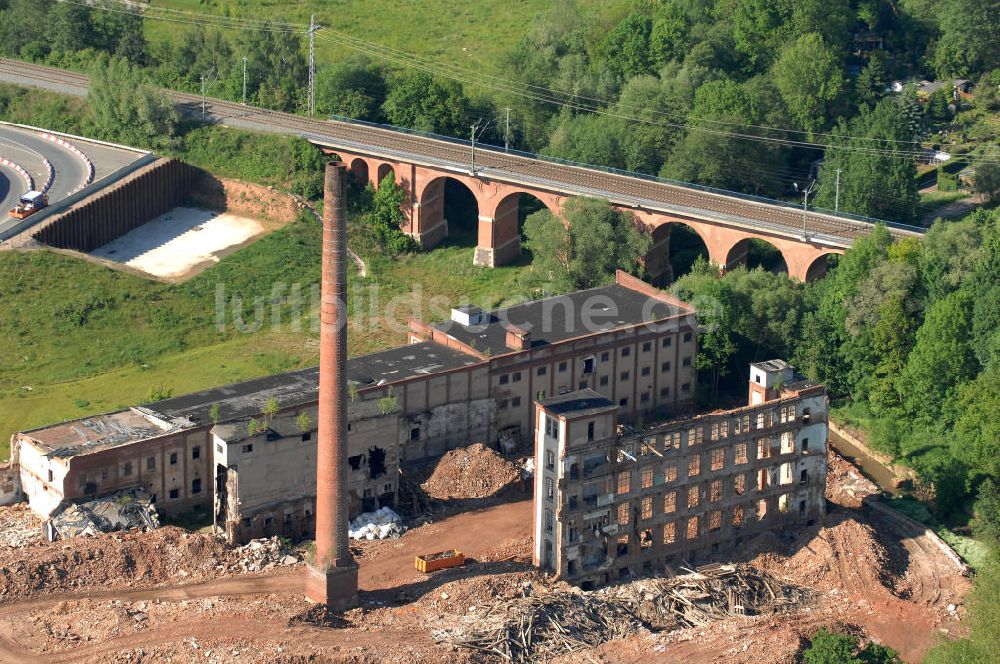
534, 628
698, 598
539, 627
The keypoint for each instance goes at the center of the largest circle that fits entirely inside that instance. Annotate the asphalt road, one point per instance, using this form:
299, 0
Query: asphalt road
28, 149
825, 229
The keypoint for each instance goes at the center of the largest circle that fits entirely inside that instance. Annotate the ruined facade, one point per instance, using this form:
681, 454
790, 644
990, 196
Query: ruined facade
610, 505
457, 382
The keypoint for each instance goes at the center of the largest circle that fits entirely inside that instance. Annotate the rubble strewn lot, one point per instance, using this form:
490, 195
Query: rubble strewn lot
183, 597
19, 526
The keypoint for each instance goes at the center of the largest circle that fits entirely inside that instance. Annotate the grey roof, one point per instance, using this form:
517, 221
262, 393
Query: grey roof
562, 317
248, 398
580, 403
773, 365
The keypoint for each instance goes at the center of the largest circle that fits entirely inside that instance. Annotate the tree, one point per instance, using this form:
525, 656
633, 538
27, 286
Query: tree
834, 648
970, 37
710, 155
988, 180
871, 83
70, 28
386, 216
759, 29
277, 72
941, 360
986, 522
351, 88
832, 19
879, 185
977, 429
23, 27
586, 246
626, 47
808, 75
588, 139
126, 108
419, 101
668, 36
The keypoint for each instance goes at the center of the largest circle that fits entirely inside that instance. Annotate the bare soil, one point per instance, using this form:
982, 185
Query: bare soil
173, 596
476, 471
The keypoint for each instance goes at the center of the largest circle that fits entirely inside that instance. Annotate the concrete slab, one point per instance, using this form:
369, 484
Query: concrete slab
181, 243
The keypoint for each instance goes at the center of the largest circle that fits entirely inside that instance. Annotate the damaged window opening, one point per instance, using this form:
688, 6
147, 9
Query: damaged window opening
355, 461
376, 462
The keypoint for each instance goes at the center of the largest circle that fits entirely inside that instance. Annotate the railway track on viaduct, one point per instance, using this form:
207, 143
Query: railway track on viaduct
492, 164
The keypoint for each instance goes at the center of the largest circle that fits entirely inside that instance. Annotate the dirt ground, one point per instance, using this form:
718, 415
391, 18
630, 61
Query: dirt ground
174, 596
181, 243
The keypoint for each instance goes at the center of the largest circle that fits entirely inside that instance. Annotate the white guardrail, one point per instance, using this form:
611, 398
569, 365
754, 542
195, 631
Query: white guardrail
87, 163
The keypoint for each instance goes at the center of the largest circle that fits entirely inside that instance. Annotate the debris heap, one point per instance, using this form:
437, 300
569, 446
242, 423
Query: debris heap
712, 593
538, 627
261, 554
476, 471
383, 523
122, 510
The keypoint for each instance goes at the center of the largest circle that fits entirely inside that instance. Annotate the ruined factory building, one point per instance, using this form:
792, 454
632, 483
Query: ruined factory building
612, 502
471, 379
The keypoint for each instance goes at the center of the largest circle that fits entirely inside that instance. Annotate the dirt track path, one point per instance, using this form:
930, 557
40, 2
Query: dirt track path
476, 533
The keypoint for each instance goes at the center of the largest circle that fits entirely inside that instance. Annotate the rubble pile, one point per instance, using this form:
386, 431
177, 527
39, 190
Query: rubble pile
711, 593
537, 626
845, 485
19, 526
261, 554
122, 510
383, 523
116, 560
476, 471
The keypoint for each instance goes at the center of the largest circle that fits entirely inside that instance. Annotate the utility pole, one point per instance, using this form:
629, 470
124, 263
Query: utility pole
204, 81
836, 198
506, 132
805, 208
244, 80
312, 63
474, 128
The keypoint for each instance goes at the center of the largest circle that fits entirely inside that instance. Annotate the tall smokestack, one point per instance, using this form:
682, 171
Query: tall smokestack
333, 577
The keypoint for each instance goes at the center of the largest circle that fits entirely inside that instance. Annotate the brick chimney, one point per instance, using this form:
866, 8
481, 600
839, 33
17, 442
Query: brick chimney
517, 338
332, 579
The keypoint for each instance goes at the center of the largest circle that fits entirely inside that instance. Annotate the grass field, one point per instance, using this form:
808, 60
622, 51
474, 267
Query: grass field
81, 339
471, 34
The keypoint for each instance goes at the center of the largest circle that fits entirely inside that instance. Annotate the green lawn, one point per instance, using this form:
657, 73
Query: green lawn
470, 34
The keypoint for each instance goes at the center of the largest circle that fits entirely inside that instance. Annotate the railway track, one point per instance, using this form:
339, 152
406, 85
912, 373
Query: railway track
632, 191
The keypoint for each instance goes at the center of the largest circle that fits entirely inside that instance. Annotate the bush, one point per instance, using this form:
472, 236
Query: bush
833, 648
946, 181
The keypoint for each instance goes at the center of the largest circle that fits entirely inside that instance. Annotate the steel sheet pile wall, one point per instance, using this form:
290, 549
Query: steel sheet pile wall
142, 196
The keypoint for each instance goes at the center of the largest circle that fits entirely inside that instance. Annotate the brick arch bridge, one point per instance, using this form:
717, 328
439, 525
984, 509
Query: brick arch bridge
726, 235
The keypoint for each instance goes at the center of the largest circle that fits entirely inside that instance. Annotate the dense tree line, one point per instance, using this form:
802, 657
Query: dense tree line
909, 330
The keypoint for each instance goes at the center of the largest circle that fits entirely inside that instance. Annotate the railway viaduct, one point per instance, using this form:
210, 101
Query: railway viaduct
725, 223
422, 164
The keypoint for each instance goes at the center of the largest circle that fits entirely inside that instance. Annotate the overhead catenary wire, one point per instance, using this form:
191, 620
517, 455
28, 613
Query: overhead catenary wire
524, 90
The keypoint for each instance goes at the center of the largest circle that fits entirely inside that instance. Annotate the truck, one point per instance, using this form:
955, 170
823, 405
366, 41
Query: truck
29, 204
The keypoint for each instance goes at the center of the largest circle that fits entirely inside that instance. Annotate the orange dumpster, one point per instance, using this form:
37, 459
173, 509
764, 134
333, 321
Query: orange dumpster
432, 562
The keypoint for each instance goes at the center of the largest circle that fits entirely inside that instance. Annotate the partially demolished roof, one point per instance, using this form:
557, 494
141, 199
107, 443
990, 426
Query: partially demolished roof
98, 432
122, 510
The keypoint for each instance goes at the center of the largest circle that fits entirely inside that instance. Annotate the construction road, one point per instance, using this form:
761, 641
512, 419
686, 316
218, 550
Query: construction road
59, 165
622, 189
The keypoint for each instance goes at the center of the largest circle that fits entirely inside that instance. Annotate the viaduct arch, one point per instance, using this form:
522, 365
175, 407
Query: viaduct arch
499, 238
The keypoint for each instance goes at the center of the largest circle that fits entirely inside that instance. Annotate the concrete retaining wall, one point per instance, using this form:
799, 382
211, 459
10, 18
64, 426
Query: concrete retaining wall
122, 207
